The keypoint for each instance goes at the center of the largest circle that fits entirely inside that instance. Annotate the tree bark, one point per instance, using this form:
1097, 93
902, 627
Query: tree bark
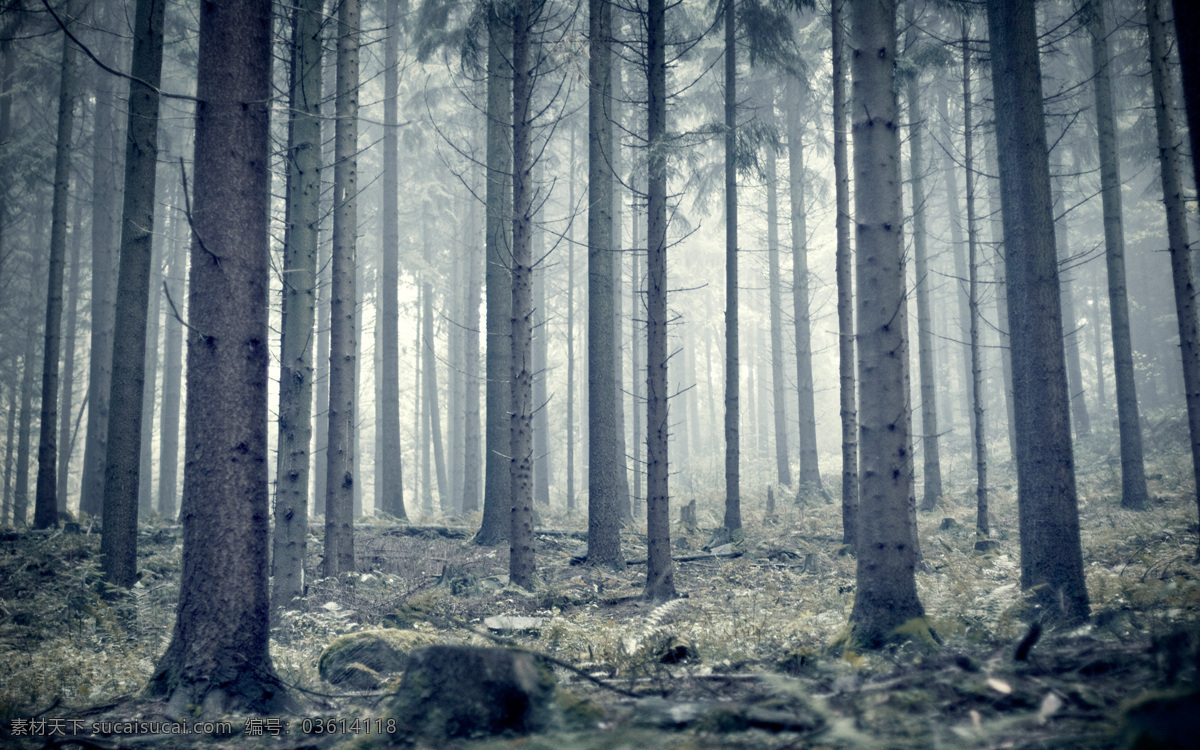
1133, 473
68, 370
45, 511
660, 571
571, 328
1187, 36
1177, 234
153, 310
1051, 558
733, 502
783, 469
605, 464
887, 596
168, 473
341, 462
218, 656
299, 306
389, 480
121, 473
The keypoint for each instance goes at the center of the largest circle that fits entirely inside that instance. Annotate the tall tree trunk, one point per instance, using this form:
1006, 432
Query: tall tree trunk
45, 512
845, 293
68, 371
1051, 558
14, 399
981, 493
1000, 282
299, 306
28, 364
341, 465
430, 384
1079, 412
783, 469
521, 561
121, 473
146, 449
810, 472
1177, 235
168, 473
105, 197
605, 464
571, 327
389, 479
887, 594
471, 444
618, 297
541, 406
497, 502
929, 417
733, 502
660, 572
1187, 36
637, 313
218, 656
1133, 473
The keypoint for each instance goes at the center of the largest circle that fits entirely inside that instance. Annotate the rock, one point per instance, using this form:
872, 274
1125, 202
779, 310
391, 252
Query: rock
359, 660
986, 545
471, 691
949, 524
513, 623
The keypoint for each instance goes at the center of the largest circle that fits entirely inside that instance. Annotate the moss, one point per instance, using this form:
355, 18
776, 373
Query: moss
380, 652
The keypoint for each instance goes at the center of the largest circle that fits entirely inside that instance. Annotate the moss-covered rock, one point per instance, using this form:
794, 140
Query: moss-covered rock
471, 691
360, 660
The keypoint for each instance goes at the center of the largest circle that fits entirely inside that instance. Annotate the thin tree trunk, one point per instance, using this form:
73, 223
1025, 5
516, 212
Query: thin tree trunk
783, 469
1133, 473
605, 464
497, 502
810, 471
618, 254
541, 406
1079, 412
471, 444
660, 573
299, 307
733, 502
432, 405
25, 419
14, 391
925, 356
1177, 235
168, 473
1051, 558
68, 371
341, 464
389, 479
571, 327
146, 452
981, 493
45, 512
845, 293
121, 474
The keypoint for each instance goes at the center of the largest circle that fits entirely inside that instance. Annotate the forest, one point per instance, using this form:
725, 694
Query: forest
605, 374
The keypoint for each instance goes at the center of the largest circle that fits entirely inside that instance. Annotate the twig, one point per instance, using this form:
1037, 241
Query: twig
187, 211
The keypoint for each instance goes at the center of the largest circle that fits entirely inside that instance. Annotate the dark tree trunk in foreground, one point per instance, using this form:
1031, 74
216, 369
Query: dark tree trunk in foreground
1177, 235
887, 595
733, 500
521, 562
45, 509
848, 410
929, 418
497, 478
218, 658
341, 461
604, 461
121, 474
1133, 473
389, 478
1187, 36
660, 571
299, 307
1051, 557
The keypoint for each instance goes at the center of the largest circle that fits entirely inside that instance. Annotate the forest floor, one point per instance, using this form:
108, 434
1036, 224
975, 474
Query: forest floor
749, 640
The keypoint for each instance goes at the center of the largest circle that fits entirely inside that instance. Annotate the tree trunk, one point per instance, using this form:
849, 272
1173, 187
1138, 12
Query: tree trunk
1177, 235
541, 406
497, 502
887, 594
783, 469
733, 502
981, 493
25, 419
810, 472
660, 573
929, 418
68, 371
168, 473
218, 656
299, 306
146, 450
340, 463
571, 329
14, 399
521, 561
605, 464
121, 473
1079, 412
389, 478
1051, 558
1133, 473
845, 292
471, 443
45, 513
1187, 36
430, 384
